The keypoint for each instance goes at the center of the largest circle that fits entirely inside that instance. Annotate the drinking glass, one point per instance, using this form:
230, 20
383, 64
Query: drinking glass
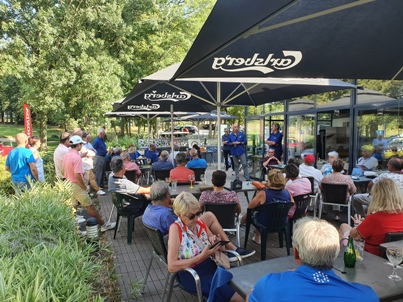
174, 185
148, 161
203, 178
167, 180
395, 256
359, 249
191, 179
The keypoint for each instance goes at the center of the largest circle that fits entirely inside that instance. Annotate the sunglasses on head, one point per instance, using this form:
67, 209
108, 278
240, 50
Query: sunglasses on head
192, 216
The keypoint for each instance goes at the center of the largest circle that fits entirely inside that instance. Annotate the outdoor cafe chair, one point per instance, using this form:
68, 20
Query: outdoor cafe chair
160, 253
226, 216
335, 195
130, 207
313, 196
131, 175
276, 215
161, 174
301, 203
198, 172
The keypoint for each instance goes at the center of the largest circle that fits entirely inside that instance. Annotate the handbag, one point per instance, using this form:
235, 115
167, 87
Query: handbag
221, 259
236, 185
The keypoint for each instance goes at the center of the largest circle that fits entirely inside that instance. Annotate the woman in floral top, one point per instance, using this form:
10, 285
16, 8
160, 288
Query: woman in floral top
218, 195
189, 247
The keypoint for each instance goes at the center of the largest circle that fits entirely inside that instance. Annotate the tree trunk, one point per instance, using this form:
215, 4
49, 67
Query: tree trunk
43, 131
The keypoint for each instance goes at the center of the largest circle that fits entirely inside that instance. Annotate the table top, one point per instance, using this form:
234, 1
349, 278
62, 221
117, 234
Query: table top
360, 179
372, 271
186, 188
398, 243
246, 187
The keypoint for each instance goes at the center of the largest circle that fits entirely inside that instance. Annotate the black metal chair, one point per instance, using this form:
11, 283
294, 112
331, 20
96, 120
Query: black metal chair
161, 174
130, 207
131, 175
390, 237
276, 215
335, 195
226, 216
160, 253
198, 172
301, 203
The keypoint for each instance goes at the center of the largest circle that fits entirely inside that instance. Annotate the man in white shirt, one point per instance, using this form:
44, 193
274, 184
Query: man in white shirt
308, 170
175, 152
367, 162
60, 151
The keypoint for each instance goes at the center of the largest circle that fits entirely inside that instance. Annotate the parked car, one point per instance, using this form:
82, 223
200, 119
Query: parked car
206, 126
186, 128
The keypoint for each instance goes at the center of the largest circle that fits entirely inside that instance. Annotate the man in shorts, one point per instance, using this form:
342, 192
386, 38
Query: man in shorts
73, 171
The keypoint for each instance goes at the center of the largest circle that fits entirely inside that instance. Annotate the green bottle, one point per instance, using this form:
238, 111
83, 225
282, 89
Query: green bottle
349, 254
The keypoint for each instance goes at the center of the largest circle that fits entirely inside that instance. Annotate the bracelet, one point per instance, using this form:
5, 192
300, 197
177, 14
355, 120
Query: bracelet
343, 239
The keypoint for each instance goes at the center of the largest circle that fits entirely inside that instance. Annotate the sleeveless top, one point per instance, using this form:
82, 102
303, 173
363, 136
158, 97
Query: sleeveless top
39, 166
191, 244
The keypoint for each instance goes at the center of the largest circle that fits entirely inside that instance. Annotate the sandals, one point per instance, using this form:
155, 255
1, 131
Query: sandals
256, 241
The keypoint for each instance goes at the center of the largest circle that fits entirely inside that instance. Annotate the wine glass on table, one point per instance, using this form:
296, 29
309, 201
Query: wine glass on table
203, 179
395, 256
148, 161
191, 179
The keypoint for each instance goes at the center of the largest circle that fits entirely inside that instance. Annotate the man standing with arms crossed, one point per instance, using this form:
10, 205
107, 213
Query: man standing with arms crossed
100, 161
237, 141
73, 171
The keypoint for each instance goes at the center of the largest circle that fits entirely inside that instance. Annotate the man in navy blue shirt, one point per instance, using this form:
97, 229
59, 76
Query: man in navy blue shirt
237, 141
316, 247
100, 162
226, 149
163, 163
274, 140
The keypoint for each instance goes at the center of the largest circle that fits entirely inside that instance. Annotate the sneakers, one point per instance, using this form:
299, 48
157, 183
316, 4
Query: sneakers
243, 253
337, 217
108, 226
100, 192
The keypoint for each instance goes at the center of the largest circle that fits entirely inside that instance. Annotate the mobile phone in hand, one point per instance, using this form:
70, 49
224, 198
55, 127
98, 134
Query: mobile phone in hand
221, 243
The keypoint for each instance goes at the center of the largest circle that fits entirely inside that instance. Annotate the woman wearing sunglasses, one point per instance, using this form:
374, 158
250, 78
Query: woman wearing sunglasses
189, 247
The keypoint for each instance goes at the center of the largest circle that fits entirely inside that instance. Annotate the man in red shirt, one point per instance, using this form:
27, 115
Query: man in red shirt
181, 173
73, 171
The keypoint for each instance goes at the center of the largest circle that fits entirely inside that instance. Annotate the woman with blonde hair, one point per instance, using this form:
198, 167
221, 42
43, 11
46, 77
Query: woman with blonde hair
385, 215
189, 247
273, 193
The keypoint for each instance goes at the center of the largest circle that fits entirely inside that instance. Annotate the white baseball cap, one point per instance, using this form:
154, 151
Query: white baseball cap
75, 140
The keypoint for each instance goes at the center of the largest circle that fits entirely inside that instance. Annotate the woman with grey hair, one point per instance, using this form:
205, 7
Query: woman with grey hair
189, 245
327, 168
129, 165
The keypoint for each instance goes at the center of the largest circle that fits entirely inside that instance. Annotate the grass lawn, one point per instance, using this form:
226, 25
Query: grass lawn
10, 131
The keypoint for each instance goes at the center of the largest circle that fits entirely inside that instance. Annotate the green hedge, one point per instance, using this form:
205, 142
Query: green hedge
42, 257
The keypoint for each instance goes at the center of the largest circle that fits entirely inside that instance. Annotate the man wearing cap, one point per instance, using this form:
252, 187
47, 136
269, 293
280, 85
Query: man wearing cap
60, 152
21, 164
73, 171
100, 162
308, 170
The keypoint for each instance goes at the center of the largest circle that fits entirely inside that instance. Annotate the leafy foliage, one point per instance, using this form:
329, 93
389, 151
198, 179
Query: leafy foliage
6, 187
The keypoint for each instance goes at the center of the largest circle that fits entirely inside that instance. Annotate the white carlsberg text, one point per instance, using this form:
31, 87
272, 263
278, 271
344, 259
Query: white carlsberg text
256, 62
174, 97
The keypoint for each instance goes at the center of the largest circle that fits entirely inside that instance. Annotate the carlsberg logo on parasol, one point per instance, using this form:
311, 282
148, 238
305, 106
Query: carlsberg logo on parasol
256, 62
143, 107
174, 97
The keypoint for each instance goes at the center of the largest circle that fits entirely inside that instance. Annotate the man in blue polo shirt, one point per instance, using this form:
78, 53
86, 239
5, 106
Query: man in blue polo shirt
237, 141
100, 162
316, 247
195, 161
274, 140
226, 149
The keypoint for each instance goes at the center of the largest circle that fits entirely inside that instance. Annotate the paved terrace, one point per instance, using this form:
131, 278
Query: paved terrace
131, 260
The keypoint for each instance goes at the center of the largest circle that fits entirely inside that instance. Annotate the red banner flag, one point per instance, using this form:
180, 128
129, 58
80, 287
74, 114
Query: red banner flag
27, 120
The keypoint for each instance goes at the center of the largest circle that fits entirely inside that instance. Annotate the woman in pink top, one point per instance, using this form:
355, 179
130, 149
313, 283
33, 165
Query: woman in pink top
338, 178
295, 184
129, 165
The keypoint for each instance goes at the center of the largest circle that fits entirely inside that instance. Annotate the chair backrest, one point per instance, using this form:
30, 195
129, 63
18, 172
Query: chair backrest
198, 172
390, 237
302, 203
131, 175
137, 207
334, 193
225, 213
161, 174
157, 241
312, 180
275, 216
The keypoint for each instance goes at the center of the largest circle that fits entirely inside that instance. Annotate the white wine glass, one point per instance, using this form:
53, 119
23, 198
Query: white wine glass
203, 178
395, 256
191, 179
